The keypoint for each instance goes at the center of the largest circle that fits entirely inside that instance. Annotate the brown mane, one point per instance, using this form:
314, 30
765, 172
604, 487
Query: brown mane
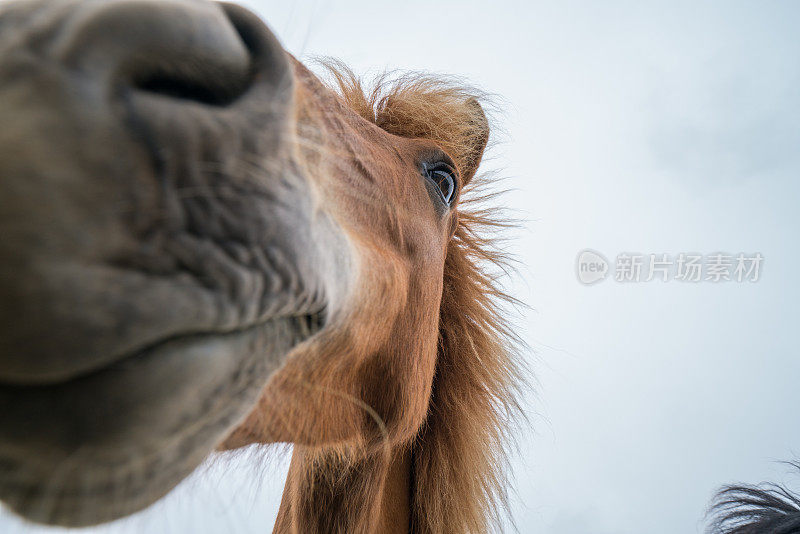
459, 455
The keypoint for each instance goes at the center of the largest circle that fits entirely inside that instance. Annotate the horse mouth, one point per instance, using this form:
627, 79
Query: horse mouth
111, 442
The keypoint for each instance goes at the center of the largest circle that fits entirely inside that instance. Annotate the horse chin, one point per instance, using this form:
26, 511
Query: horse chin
109, 443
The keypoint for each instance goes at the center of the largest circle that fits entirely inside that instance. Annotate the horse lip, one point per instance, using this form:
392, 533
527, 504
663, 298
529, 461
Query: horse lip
96, 447
307, 325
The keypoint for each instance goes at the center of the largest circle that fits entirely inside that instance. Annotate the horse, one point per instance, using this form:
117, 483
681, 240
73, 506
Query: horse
206, 246
767, 508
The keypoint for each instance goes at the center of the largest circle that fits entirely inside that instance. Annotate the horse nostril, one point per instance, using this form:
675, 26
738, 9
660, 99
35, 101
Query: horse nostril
184, 50
216, 80
200, 83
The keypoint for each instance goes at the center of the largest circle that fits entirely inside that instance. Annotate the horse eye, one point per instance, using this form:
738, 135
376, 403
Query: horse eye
442, 176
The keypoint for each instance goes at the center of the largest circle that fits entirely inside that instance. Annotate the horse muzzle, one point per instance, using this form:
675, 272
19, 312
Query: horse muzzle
159, 252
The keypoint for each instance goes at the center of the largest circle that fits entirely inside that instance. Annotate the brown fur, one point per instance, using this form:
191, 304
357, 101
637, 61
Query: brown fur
459, 452
457, 455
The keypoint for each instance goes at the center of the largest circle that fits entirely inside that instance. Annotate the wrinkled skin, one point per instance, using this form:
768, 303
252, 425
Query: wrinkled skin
197, 238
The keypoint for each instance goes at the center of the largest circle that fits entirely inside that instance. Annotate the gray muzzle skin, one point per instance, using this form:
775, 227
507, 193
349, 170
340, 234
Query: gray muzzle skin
159, 252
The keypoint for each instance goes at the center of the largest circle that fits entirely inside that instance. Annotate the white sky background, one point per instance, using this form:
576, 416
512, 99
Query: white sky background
666, 127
